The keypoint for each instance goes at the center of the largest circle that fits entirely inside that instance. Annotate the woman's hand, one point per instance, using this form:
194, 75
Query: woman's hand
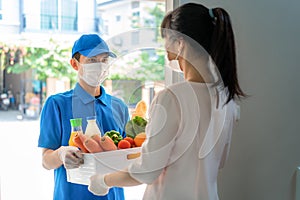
97, 185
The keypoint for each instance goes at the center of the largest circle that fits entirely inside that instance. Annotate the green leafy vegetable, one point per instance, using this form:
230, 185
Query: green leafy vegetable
115, 136
135, 126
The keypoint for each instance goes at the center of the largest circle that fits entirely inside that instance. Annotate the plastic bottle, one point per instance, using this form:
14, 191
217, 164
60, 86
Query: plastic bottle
92, 127
76, 126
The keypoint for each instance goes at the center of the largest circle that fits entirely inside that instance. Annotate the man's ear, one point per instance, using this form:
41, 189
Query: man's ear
74, 64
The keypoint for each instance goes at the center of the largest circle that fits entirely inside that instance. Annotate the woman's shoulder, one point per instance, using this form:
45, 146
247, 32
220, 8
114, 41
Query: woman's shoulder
186, 85
186, 89
166, 97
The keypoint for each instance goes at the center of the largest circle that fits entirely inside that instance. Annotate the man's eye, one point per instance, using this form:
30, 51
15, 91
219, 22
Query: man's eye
91, 60
95, 60
104, 60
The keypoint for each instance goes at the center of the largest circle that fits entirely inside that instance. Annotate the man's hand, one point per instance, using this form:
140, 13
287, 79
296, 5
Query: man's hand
97, 185
70, 156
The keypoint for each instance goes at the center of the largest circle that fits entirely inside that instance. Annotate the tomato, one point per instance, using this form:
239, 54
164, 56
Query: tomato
124, 144
130, 140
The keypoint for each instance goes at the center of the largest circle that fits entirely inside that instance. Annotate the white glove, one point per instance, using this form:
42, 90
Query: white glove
70, 156
97, 185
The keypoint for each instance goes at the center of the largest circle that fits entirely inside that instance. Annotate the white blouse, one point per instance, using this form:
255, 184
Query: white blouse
188, 138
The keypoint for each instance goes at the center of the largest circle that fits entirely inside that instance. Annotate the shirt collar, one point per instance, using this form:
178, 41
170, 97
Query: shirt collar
103, 97
87, 98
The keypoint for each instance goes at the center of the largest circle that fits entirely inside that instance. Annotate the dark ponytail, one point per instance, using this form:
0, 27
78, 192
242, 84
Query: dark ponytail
212, 30
222, 50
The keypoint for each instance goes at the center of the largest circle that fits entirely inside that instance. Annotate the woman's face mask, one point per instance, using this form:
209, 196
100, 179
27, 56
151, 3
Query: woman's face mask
174, 64
94, 73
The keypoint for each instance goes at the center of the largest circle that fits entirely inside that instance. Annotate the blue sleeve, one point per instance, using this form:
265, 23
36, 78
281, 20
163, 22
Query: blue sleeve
120, 114
50, 125
127, 118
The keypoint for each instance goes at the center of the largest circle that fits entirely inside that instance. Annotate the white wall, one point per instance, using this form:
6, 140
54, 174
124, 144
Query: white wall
86, 15
109, 16
10, 17
266, 143
110, 12
32, 11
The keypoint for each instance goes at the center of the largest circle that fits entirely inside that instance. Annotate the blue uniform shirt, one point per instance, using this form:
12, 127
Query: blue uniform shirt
55, 129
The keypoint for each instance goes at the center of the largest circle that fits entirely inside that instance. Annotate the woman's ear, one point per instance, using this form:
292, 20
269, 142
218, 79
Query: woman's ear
74, 64
181, 43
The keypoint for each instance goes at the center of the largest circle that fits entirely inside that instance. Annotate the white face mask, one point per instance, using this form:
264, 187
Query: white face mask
174, 64
94, 73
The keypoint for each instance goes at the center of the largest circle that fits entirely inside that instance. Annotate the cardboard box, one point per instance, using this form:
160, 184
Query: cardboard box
104, 162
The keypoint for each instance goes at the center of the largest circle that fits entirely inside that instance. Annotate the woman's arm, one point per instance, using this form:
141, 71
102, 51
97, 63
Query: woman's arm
100, 184
120, 179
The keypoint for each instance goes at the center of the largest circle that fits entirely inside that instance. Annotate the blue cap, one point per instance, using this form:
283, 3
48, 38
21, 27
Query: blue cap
91, 45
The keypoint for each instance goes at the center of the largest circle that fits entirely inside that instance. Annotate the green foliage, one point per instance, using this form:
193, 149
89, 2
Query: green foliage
148, 65
130, 91
51, 62
152, 68
151, 62
54, 60
157, 14
119, 77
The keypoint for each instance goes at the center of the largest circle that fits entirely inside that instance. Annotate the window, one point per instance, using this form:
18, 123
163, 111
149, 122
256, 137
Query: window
59, 15
135, 21
138, 42
49, 15
118, 18
69, 15
135, 4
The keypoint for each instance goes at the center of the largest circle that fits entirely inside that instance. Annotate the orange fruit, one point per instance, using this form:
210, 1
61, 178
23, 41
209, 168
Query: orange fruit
139, 139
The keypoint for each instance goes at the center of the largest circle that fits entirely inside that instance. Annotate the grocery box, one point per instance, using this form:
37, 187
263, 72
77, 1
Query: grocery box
103, 162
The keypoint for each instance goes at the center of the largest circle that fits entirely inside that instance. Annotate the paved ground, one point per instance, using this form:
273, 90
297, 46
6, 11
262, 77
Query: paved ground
21, 173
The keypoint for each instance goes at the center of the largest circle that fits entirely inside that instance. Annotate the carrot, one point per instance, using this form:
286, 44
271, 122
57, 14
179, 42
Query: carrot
107, 143
92, 146
97, 138
78, 141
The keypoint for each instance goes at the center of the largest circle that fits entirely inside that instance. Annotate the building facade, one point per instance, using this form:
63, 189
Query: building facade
33, 23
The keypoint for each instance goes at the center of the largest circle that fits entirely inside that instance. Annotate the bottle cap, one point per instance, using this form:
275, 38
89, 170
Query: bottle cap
76, 122
91, 118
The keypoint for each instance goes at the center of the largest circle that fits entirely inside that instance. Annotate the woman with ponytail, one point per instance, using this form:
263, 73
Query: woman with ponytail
190, 125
